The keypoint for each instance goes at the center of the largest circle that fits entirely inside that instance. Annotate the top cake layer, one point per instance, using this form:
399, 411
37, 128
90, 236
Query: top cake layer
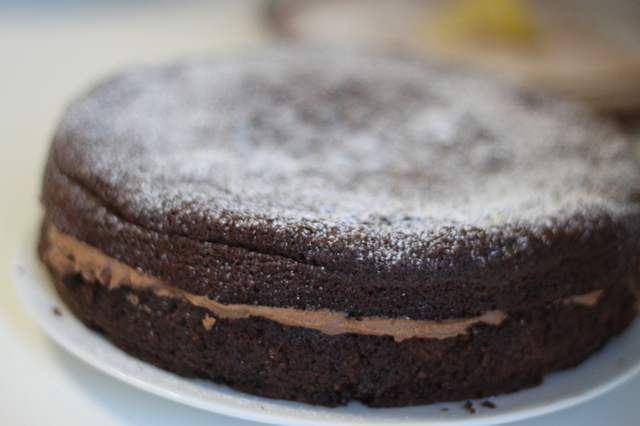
386, 170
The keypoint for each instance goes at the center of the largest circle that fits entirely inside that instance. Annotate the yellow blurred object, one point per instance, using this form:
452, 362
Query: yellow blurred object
485, 20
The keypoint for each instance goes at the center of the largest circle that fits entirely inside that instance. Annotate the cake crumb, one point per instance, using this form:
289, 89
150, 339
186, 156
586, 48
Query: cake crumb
208, 322
57, 311
488, 404
133, 299
469, 407
445, 409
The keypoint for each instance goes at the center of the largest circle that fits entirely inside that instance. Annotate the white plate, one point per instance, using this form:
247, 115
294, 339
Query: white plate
618, 362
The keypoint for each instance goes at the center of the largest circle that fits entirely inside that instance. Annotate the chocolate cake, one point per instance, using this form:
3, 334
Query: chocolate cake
326, 226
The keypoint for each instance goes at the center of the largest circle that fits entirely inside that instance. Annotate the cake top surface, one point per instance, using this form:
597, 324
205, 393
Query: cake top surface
347, 148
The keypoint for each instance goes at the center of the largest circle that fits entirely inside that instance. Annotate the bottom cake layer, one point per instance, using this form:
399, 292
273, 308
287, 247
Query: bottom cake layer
262, 357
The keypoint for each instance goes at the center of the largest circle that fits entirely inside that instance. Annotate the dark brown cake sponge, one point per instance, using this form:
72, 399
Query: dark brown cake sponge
355, 182
264, 358
364, 187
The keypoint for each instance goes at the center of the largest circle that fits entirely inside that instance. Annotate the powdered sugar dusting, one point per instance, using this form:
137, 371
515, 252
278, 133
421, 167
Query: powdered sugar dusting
392, 156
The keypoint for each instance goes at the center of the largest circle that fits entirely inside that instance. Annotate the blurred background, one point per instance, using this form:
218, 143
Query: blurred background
583, 48
52, 50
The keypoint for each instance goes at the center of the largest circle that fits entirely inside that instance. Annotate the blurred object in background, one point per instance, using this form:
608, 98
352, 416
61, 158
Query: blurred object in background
492, 21
587, 49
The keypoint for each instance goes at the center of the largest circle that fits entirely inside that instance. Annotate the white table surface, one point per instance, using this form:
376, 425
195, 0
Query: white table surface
49, 53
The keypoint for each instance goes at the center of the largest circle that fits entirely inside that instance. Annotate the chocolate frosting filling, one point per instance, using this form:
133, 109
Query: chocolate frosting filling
67, 255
